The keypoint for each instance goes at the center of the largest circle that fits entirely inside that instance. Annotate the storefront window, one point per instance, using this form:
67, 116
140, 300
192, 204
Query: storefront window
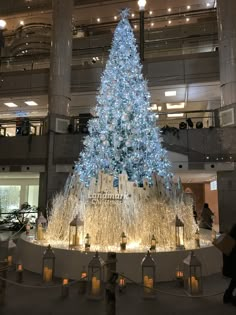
9, 198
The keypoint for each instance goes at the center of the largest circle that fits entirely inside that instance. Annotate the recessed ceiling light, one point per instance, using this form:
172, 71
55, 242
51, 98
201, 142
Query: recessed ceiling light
3, 23
208, 4
115, 17
135, 26
159, 108
175, 106
150, 12
170, 93
169, 10
31, 103
169, 22
10, 104
152, 24
157, 116
22, 22
175, 115
187, 19
132, 15
188, 7
98, 20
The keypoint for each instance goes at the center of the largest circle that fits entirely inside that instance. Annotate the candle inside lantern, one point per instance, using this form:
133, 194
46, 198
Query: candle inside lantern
19, 267
39, 232
83, 275
122, 282
95, 286
65, 281
47, 274
148, 284
179, 274
193, 284
9, 260
181, 239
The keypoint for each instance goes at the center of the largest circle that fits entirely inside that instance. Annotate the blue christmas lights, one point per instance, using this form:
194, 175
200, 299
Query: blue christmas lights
123, 136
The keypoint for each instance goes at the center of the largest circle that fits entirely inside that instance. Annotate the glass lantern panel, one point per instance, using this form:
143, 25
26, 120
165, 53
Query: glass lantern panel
123, 239
95, 282
193, 280
153, 242
48, 266
95, 271
74, 238
48, 263
148, 276
180, 236
87, 239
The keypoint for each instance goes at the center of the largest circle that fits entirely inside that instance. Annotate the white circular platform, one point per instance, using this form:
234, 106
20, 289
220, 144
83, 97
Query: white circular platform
71, 262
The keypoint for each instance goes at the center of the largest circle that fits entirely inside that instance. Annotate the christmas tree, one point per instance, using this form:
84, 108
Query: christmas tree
123, 137
120, 181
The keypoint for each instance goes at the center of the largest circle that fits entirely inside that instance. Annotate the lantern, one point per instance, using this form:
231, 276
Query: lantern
41, 226
148, 276
65, 287
27, 227
76, 231
153, 243
95, 277
192, 275
19, 273
197, 239
48, 264
123, 241
179, 275
179, 233
87, 242
83, 282
11, 249
121, 283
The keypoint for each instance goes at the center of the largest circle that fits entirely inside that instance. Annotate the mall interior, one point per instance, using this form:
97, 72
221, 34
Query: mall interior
52, 56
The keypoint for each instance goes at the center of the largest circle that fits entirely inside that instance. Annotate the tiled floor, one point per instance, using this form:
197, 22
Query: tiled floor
170, 300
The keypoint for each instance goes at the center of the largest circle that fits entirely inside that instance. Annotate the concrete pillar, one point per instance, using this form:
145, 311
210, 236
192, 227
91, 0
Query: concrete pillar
61, 56
227, 49
59, 94
226, 185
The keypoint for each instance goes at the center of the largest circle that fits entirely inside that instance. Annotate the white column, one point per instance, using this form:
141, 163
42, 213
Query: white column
61, 56
227, 49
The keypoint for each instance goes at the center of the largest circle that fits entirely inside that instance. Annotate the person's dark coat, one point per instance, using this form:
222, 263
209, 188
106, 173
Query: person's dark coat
229, 262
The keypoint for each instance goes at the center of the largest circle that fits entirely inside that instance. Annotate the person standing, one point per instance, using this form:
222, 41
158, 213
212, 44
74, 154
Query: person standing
229, 270
206, 217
